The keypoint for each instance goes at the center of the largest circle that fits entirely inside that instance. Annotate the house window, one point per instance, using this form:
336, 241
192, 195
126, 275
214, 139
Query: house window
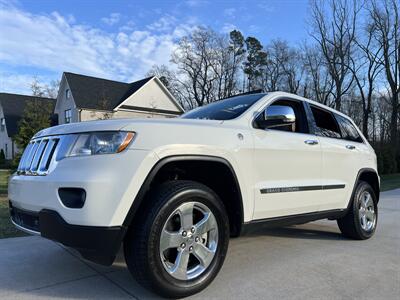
67, 94
68, 116
3, 124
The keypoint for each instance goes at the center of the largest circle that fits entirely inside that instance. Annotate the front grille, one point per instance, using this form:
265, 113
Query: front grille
38, 156
25, 219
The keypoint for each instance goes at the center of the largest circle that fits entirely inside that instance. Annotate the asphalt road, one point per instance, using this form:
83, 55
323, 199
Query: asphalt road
311, 261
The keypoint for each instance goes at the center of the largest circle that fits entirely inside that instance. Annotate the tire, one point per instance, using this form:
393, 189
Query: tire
158, 226
362, 217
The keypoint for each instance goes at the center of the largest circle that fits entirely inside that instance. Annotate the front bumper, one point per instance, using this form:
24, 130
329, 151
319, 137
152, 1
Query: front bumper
95, 243
110, 182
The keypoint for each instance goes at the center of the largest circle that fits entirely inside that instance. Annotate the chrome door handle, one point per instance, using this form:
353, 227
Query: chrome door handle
311, 142
350, 147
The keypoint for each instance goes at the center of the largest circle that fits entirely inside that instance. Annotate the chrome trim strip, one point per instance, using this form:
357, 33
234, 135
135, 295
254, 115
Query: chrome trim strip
301, 188
29, 231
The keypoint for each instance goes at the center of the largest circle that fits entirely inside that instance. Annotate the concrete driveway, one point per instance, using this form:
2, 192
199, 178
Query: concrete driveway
311, 261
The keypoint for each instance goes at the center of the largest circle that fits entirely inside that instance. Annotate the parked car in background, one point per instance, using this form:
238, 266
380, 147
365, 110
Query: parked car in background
173, 191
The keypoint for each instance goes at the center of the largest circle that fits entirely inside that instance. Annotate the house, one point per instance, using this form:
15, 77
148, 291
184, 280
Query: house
83, 98
12, 107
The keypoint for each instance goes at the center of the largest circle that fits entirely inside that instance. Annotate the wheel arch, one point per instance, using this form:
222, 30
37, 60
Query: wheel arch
179, 163
370, 176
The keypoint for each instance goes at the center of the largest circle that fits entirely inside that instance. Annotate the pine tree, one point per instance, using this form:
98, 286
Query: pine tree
256, 59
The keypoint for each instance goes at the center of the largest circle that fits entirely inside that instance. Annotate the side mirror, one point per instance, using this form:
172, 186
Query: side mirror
276, 116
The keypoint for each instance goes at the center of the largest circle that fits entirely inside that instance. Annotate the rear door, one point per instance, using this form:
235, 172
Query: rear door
340, 157
287, 167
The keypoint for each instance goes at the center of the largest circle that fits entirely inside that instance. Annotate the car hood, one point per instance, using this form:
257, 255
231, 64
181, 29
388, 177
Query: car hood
120, 124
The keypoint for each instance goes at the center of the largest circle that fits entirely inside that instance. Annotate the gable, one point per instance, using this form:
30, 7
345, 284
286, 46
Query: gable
152, 96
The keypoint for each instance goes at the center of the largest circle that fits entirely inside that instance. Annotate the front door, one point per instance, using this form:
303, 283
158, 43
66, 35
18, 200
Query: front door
287, 167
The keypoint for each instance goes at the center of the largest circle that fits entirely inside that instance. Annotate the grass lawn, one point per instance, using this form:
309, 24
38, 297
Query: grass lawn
6, 228
388, 182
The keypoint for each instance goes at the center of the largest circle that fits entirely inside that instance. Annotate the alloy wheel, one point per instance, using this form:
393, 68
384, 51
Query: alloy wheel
189, 241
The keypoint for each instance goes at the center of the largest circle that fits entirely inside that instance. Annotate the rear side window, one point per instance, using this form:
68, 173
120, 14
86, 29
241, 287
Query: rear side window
349, 132
326, 123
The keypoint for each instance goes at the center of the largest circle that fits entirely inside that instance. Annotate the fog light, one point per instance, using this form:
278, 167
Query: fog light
72, 197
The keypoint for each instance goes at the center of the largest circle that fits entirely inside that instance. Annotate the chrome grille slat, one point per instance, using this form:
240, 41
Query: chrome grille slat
38, 156
29, 159
24, 156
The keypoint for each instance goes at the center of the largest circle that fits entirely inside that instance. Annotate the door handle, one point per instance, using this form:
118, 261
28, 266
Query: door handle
350, 147
311, 142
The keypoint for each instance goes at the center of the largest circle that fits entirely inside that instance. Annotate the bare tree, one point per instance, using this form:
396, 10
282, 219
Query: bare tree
385, 19
321, 85
44, 90
365, 68
334, 32
195, 58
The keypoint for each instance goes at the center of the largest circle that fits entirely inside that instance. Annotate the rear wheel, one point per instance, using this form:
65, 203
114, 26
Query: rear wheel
178, 243
361, 219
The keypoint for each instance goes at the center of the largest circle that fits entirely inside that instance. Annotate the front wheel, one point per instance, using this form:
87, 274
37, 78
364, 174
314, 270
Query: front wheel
361, 219
178, 243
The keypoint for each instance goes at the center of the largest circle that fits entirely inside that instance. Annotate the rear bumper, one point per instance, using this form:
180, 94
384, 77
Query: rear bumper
97, 244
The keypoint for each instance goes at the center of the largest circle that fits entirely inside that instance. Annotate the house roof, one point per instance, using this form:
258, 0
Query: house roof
13, 109
97, 93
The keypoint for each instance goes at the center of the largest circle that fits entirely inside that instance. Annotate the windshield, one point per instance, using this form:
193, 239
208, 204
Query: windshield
227, 109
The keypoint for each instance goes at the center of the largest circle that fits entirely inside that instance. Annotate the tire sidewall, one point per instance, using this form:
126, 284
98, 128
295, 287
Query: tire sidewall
361, 188
160, 276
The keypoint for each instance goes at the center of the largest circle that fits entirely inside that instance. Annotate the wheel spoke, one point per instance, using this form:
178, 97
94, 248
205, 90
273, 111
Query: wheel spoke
203, 254
367, 199
170, 240
206, 224
364, 222
186, 215
179, 270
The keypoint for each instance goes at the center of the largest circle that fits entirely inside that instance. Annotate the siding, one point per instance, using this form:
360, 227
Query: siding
151, 95
5, 141
64, 104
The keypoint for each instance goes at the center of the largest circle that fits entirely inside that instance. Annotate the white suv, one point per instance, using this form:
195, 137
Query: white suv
173, 191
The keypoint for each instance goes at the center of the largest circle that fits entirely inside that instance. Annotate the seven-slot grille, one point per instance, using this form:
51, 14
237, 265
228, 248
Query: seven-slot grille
37, 156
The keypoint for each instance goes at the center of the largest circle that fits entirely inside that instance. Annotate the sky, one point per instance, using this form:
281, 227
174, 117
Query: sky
122, 40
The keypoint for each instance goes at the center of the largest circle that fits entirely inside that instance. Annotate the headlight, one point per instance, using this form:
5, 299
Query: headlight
107, 142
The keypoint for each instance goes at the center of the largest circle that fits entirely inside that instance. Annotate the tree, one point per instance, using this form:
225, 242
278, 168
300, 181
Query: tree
255, 61
365, 68
45, 90
321, 85
384, 16
36, 117
283, 69
237, 51
334, 32
194, 59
